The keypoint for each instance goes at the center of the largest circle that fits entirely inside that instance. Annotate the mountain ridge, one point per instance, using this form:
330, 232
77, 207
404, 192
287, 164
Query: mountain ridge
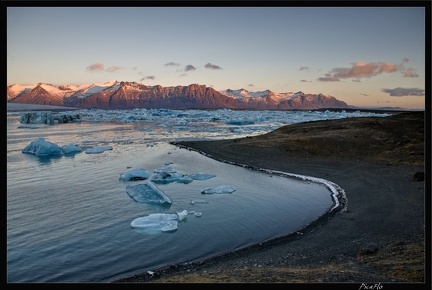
128, 95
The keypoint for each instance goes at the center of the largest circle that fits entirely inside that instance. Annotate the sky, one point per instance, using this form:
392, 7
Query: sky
365, 56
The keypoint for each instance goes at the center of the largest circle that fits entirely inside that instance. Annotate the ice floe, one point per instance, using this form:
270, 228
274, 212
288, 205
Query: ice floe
97, 150
164, 222
135, 174
148, 192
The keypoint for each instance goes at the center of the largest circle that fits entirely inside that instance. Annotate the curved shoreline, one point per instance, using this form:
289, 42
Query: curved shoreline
380, 238
338, 194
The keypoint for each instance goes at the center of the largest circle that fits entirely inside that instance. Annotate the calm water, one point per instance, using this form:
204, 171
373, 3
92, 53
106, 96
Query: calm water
68, 218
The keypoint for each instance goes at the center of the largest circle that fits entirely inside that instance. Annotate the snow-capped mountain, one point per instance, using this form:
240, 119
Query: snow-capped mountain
127, 95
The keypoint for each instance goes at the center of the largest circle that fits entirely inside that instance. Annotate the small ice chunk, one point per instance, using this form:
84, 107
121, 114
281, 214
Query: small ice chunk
164, 222
201, 176
182, 215
135, 174
148, 192
195, 201
71, 148
197, 214
40, 147
97, 150
218, 189
167, 169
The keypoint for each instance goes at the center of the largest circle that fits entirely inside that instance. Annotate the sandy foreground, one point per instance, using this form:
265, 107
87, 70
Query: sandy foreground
377, 236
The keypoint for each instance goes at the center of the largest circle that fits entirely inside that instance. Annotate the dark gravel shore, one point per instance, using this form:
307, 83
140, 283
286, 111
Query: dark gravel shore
378, 238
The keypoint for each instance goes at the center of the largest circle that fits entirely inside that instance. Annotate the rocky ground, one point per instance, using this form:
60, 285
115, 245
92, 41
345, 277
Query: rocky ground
379, 237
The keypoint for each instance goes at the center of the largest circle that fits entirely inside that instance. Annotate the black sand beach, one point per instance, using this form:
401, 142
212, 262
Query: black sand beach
379, 237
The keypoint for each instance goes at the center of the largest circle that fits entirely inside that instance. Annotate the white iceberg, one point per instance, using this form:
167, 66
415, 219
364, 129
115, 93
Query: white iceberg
40, 147
218, 189
97, 150
135, 174
182, 215
148, 192
164, 222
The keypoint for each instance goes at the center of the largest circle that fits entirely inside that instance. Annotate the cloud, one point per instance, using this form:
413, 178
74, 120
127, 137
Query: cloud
189, 67
405, 59
172, 64
356, 81
365, 95
304, 81
361, 70
250, 85
328, 79
212, 66
148, 78
95, 67
303, 68
410, 74
399, 92
114, 68
183, 75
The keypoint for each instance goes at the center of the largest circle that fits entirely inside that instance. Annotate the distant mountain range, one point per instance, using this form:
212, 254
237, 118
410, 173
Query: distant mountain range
128, 95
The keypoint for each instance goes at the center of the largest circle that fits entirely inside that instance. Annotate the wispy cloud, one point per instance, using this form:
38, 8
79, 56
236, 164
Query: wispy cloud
328, 79
356, 81
189, 67
399, 92
101, 67
360, 70
303, 68
95, 67
114, 68
172, 64
212, 66
250, 85
148, 78
183, 75
304, 81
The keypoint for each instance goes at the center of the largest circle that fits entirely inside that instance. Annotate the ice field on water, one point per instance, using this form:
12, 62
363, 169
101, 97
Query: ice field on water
69, 217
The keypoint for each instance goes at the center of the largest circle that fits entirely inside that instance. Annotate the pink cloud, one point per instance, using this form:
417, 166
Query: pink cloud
361, 70
410, 74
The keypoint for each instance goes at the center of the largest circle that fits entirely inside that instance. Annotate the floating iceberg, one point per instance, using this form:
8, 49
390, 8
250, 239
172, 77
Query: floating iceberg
40, 147
182, 215
165, 177
98, 150
195, 201
71, 148
148, 192
164, 222
135, 174
49, 118
219, 189
201, 176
